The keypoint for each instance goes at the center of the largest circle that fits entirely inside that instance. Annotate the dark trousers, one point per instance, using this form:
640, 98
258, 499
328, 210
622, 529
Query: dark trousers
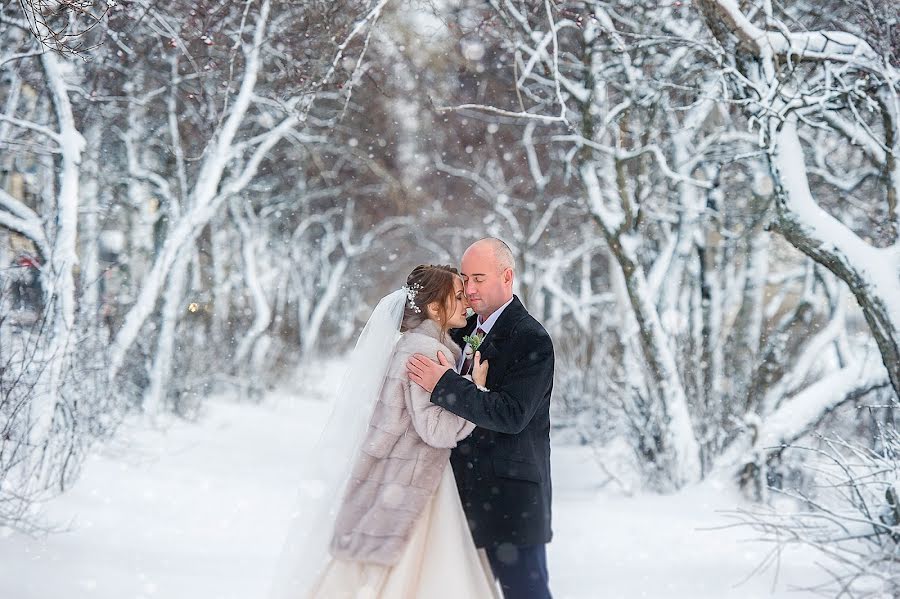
522, 571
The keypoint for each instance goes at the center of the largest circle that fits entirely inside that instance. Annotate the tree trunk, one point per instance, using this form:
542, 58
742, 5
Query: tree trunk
681, 449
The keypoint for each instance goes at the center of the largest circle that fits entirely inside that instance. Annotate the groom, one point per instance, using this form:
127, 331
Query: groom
503, 468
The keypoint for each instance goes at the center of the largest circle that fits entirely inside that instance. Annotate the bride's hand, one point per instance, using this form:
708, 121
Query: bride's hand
479, 370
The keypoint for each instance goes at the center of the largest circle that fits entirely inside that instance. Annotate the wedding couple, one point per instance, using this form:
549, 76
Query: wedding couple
385, 518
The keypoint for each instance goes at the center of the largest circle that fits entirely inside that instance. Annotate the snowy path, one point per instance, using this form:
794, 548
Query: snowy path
197, 513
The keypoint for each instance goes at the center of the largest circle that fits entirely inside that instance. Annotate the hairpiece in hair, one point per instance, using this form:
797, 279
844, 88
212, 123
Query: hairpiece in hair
411, 292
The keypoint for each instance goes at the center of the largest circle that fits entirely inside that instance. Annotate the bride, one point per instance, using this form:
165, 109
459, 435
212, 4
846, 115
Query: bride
398, 530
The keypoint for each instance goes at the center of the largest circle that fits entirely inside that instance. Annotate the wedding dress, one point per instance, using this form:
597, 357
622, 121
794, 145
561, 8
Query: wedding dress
440, 561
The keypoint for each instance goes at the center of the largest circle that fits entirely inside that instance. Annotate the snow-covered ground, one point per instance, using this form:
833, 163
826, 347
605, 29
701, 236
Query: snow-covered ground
197, 511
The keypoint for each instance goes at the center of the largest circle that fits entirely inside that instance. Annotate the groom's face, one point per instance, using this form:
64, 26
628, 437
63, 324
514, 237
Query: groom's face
486, 284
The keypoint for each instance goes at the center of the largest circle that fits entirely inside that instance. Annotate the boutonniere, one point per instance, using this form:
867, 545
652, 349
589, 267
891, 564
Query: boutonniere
474, 341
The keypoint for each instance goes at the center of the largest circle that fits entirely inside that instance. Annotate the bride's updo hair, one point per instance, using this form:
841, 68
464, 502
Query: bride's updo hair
429, 283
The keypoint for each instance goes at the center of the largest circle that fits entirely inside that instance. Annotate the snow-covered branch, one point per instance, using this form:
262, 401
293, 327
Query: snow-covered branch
833, 46
36, 127
21, 218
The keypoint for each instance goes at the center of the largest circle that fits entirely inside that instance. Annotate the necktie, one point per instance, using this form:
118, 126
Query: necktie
470, 360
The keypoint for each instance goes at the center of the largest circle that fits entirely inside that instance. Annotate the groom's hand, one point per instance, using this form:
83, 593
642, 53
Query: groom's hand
424, 372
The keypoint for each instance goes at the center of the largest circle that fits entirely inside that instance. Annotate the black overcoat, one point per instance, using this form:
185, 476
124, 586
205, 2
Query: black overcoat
502, 469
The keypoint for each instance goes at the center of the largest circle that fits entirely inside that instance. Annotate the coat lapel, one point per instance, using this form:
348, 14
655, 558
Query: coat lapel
502, 329
507, 321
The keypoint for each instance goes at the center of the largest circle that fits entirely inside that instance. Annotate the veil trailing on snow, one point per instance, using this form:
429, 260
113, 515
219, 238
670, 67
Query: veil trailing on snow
305, 551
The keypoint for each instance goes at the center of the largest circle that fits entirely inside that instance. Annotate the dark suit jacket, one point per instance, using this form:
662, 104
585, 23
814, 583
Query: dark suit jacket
503, 468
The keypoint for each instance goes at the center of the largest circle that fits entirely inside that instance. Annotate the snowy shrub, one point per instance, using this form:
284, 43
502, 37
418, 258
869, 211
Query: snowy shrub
850, 515
44, 436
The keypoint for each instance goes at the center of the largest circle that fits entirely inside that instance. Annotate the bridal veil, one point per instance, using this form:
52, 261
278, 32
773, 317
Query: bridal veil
305, 551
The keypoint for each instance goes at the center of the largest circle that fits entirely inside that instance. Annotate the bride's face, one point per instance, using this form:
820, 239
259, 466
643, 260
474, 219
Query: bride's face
458, 305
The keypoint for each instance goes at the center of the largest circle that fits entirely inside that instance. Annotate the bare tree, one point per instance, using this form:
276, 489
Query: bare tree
833, 79
191, 111
62, 26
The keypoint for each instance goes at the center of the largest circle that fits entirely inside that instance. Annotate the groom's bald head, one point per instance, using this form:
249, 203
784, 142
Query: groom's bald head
502, 253
488, 269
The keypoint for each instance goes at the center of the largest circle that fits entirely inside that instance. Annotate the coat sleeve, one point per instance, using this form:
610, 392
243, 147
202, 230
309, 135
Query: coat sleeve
437, 426
510, 406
